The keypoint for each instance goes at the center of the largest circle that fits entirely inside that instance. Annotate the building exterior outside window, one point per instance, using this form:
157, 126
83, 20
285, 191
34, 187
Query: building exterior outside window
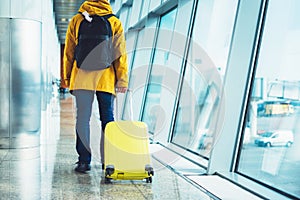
271, 143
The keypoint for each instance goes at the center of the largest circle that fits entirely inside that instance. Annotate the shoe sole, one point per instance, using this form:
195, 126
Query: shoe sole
82, 171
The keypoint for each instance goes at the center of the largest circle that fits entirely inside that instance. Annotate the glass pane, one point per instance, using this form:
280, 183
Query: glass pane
154, 110
203, 76
145, 8
135, 12
130, 42
4, 8
154, 4
124, 17
139, 69
271, 141
117, 5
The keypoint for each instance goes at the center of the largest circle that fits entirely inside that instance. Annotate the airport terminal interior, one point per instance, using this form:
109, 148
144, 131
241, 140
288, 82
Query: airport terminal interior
215, 81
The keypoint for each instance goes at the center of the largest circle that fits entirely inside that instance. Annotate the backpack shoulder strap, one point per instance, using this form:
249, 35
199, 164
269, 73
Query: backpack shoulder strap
109, 16
105, 16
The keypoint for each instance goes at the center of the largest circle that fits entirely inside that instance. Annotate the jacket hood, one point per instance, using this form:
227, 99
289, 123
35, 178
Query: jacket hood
100, 7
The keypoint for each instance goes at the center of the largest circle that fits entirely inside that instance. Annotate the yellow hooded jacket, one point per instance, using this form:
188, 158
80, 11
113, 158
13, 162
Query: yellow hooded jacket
101, 80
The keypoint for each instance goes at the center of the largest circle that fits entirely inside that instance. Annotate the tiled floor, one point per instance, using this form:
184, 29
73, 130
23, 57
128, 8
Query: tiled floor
46, 171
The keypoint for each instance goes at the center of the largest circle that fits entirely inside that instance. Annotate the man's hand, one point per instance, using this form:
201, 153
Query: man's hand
65, 83
121, 89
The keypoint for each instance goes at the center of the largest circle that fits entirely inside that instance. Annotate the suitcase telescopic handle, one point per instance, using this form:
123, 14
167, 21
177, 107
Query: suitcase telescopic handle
129, 95
130, 104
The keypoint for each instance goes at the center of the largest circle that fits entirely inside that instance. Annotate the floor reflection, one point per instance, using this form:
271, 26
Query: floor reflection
47, 171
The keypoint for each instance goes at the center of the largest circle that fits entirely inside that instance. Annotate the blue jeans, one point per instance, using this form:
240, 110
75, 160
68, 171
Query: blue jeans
84, 102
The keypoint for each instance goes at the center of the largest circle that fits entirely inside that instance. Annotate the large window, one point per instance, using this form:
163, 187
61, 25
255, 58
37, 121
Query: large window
271, 143
203, 76
160, 98
141, 55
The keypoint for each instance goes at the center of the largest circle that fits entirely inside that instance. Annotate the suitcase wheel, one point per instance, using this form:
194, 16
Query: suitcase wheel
107, 180
109, 170
149, 179
149, 169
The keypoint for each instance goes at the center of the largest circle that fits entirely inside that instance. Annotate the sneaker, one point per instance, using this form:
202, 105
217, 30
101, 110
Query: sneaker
82, 167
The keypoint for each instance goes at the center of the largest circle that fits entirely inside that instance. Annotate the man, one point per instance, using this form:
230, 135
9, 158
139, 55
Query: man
84, 84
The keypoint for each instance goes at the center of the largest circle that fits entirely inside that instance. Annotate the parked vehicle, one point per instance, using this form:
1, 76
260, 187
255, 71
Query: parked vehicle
275, 138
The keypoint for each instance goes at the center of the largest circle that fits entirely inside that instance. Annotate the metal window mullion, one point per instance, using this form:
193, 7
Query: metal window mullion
10, 83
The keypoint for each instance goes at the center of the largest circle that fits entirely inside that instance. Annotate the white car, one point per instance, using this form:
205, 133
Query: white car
275, 138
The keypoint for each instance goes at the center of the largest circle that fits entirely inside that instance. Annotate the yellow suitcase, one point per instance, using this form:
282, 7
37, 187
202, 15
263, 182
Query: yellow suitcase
126, 151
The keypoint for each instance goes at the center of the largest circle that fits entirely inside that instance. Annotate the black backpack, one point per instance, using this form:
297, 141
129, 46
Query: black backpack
94, 50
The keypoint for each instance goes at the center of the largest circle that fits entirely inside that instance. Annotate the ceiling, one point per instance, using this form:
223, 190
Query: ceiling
64, 11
